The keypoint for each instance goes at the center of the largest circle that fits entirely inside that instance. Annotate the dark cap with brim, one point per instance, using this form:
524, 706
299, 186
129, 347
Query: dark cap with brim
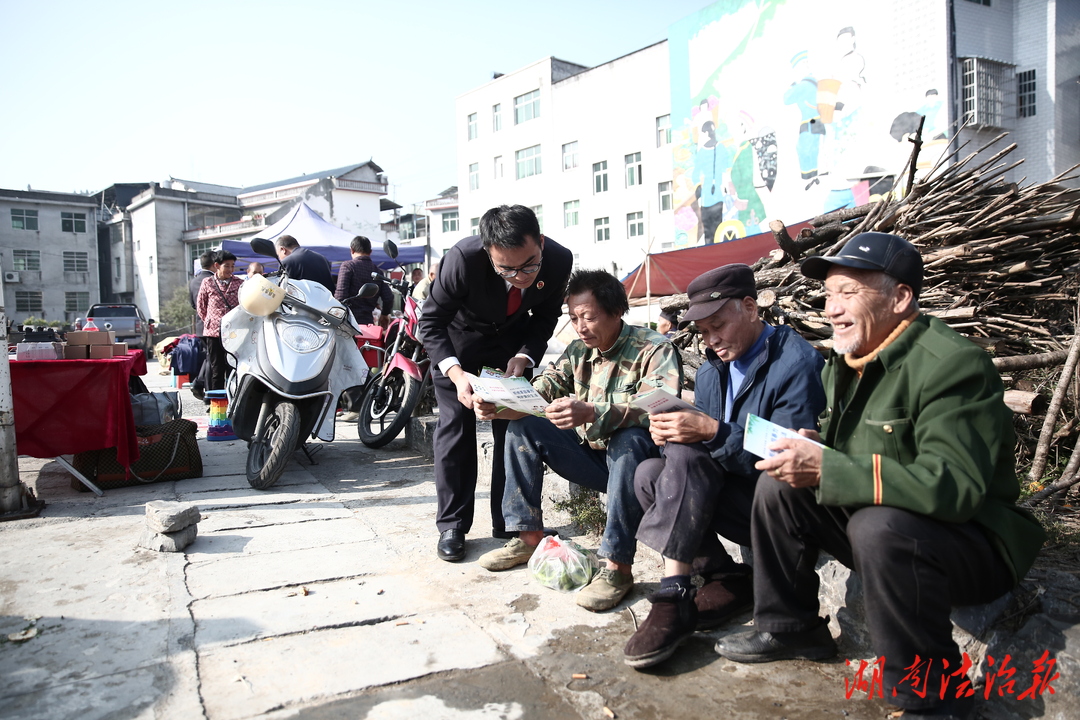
882, 252
711, 291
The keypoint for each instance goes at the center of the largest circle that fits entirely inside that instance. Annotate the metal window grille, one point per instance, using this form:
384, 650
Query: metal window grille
987, 92
75, 261
28, 301
26, 259
76, 301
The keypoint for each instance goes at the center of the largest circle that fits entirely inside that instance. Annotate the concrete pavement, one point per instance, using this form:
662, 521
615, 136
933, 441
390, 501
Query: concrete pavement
323, 598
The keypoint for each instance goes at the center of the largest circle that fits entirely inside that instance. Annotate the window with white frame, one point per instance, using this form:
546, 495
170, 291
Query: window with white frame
24, 219
28, 301
474, 176
473, 130
635, 224
474, 225
569, 156
76, 261
26, 259
664, 191
449, 222
985, 86
526, 107
1025, 85
570, 212
663, 130
498, 167
528, 162
195, 251
538, 211
599, 174
602, 228
496, 117
633, 169
76, 302
73, 222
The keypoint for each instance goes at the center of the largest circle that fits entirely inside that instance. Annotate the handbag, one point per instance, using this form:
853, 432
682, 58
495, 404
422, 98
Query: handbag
155, 408
168, 451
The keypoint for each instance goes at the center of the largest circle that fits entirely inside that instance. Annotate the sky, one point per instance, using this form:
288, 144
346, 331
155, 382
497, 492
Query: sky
243, 93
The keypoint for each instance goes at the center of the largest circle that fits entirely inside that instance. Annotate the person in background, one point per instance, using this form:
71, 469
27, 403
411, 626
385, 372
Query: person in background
356, 273
303, 264
201, 379
497, 300
420, 292
592, 435
667, 323
255, 268
217, 296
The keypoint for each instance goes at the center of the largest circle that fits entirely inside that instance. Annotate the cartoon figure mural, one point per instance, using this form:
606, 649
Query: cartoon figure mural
759, 134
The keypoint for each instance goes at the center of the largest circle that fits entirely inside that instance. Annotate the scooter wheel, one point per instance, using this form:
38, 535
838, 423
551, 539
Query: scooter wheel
269, 453
386, 407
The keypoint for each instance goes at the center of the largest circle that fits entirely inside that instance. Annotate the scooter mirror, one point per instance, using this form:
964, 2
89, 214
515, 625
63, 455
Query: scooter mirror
262, 246
368, 290
390, 249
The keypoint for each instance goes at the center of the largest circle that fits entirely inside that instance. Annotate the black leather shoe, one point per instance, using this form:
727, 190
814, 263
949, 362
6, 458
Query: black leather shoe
757, 647
451, 547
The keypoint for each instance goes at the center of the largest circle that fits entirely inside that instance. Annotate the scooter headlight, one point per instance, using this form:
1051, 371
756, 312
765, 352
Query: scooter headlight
301, 338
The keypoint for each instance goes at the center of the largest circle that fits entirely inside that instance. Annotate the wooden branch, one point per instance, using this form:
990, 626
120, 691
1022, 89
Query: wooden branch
1038, 463
783, 239
1030, 362
1023, 402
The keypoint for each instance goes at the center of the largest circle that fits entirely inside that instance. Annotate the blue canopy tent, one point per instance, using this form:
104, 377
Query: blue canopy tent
315, 233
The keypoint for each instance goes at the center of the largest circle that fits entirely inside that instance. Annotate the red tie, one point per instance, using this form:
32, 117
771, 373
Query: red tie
513, 300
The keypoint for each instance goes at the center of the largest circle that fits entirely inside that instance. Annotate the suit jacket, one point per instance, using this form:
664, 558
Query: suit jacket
464, 315
304, 264
193, 292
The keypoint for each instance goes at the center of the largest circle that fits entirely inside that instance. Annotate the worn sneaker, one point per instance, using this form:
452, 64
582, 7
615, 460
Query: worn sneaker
349, 416
671, 620
607, 589
514, 553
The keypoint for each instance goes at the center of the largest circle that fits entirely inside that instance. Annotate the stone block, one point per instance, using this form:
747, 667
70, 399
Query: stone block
164, 516
420, 434
168, 542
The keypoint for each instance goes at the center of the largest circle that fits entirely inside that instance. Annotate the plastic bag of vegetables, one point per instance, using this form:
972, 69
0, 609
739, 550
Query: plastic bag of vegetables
562, 564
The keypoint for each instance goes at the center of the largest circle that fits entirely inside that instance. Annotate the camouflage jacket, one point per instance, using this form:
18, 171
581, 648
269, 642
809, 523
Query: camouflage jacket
640, 359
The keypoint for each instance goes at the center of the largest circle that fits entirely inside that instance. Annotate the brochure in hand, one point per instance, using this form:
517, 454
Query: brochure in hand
514, 393
659, 400
760, 434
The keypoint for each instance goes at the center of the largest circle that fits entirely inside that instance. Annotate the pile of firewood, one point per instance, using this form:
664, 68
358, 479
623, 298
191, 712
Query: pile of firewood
1000, 259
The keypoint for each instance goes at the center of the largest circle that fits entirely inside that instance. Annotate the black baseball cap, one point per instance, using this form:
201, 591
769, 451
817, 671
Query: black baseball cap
709, 292
890, 254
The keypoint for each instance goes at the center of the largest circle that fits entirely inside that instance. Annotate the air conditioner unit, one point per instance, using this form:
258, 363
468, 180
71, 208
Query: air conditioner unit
11, 277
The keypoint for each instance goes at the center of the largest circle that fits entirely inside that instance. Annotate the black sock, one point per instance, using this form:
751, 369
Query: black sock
676, 581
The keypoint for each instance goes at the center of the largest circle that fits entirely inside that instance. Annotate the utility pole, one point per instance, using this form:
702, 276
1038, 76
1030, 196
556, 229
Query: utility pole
16, 500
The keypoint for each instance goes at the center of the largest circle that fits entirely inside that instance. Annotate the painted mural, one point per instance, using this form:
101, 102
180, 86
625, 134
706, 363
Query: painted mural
791, 108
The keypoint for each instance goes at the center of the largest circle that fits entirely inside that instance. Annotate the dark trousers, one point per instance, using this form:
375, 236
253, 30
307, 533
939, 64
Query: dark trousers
688, 499
218, 363
913, 570
456, 464
201, 378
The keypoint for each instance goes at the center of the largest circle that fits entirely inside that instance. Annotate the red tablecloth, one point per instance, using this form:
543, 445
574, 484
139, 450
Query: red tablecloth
70, 406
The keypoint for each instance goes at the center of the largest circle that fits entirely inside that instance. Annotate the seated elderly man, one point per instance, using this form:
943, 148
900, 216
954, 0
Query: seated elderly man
915, 486
704, 485
592, 435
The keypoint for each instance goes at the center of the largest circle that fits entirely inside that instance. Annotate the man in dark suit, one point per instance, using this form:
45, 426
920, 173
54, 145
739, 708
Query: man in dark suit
494, 302
303, 264
206, 261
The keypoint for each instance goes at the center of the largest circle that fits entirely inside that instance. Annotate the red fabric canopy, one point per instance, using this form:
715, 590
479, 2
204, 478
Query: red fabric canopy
69, 406
670, 272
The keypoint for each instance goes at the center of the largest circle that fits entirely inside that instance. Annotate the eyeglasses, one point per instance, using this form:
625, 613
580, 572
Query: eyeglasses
511, 273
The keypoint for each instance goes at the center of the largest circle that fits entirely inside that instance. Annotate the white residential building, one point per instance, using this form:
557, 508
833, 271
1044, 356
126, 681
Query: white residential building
587, 149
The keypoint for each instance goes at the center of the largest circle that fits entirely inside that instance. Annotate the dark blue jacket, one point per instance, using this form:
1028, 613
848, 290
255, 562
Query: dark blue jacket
783, 386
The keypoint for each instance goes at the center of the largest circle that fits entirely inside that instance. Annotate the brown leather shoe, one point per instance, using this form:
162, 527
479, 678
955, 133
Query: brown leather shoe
671, 620
718, 601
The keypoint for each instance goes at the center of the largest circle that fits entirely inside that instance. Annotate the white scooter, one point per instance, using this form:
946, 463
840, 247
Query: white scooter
294, 352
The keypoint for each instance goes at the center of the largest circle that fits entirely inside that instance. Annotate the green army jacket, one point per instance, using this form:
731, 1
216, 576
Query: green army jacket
640, 359
926, 429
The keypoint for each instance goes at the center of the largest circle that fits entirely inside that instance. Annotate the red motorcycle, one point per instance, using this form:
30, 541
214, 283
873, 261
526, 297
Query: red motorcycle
400, 377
